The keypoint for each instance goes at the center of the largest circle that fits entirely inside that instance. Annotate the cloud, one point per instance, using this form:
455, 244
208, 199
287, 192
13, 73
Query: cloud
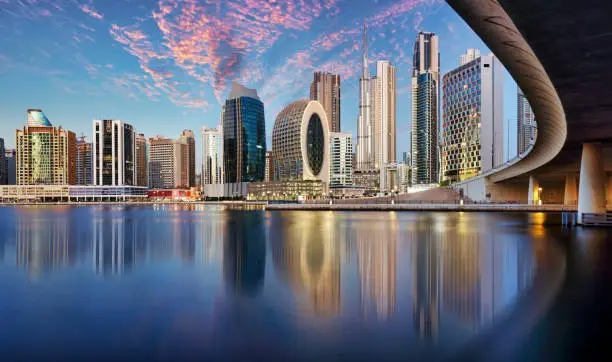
89, 10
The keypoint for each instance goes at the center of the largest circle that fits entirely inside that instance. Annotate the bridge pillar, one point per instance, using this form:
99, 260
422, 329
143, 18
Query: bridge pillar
609, 192
592, 188
571, 190
534, 191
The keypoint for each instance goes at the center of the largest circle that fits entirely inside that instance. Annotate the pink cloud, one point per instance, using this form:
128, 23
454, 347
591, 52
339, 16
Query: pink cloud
89, 10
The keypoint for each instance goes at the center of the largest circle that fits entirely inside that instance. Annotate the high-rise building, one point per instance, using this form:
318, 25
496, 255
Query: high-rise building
425, 95
114, 153
45, 155
341, 159
244, 136
325, 88
10, 159
188, 138
403, 177
3, 164
526, 125
83, 162
472, 110
365, 125
300, 143
384, 109
269, 175
212, 155
470, 54
142, 160
168, 163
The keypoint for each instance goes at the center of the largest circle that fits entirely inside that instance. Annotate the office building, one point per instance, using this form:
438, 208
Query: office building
526, 124
470, 54
300, 143
425, 102
46, 155
10, 159
244, 136
212, 155
168, 163
325, 88
142, 160
188, 138
269, 175
341, 159
365, 125
383, 101
114, 153
83, 162
3, 164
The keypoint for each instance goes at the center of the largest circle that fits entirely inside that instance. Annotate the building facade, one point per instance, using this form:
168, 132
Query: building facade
365, 125
425, 101
3, 164
492, 130
269, 176
384, 115
188, 138
470, 54
341, 159
142, 160
168, 163
526, 124
300, 143
244, 136
113, 153
10, 159
83, 162
46, 155
325, 88
212, 155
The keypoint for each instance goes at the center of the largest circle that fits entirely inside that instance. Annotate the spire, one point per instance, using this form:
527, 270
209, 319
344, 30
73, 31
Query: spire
365, 73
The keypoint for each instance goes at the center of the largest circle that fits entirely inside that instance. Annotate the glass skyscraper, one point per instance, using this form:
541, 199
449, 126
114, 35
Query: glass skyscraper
114, 153
244, 136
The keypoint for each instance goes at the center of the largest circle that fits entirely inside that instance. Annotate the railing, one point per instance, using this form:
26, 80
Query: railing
604, 219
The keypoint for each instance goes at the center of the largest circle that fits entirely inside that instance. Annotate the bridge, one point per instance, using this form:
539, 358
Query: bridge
560, 54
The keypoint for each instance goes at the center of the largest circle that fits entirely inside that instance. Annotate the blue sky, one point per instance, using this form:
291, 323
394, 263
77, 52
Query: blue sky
167, 65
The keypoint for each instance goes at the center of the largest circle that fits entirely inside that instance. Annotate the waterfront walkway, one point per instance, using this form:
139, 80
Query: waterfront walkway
423, 207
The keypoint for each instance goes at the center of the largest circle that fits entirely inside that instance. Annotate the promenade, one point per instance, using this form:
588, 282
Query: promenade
423, 207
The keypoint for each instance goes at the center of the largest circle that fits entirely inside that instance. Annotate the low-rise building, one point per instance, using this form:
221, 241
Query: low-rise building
286, 190
71, 193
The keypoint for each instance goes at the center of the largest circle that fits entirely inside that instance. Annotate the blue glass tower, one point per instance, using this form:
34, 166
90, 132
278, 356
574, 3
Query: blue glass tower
244, 136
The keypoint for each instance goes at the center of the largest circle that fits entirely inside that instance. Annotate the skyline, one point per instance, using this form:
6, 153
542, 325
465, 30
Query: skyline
114, 53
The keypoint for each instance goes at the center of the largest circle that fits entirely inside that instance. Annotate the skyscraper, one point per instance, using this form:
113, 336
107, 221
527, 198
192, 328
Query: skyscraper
168, 163
142, 160
114, 153
341, 159
472, 109
325, 88
526, 125
269, 175
244, 136
10, 158
45, 155
3, 164
188, 138
384, 116
425, 94
83, 162
365, 126
212, 155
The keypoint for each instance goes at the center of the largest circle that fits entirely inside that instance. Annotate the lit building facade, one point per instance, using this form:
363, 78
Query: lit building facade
269, 176
142, 160
526, 124
168, 163
341, 159
114, 153
212, 155
45, 155
300, 143
188, 138
325, 88
425, 101
83, 162
244, 136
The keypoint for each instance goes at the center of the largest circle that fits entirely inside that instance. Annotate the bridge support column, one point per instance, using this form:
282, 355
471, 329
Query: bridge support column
609, 192
592, 188
534, 191
571, 190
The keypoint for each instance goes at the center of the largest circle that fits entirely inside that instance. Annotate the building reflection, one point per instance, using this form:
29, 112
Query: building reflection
376, 256
307, 255
425, 283
213, 235
244, 253
113, 245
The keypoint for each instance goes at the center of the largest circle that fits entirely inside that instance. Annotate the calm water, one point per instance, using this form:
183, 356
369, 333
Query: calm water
186, 282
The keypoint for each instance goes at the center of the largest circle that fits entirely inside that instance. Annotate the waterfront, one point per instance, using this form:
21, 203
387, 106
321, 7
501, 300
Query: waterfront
176, 282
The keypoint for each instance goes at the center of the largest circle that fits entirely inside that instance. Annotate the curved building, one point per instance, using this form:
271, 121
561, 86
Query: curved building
36, 118
300, 143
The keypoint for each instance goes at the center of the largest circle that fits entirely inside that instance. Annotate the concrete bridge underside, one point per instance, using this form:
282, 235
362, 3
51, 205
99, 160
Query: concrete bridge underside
559, 53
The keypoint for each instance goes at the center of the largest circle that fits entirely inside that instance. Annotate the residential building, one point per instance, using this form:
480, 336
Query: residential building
168, 163
526, 124
10, 159
390, 181
114, 153
142, 160
3, 164
269, 175
341, 159
470, 54
244, 136
365, 125
384, 116
404, 178
212, 155
325, 88
425, 102
188, 138
83, 162
46, 155
300, 143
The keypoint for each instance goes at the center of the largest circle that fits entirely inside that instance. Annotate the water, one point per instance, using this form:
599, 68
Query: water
186, 282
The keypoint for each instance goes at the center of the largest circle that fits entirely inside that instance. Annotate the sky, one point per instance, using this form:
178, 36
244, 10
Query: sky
167, 65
